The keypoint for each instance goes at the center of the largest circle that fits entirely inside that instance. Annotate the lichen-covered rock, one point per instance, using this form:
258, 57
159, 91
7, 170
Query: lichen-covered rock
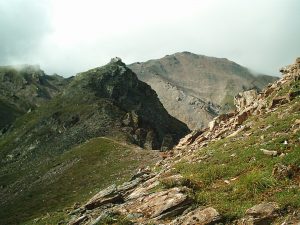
260, 214
199, 217
161, 204
173, 180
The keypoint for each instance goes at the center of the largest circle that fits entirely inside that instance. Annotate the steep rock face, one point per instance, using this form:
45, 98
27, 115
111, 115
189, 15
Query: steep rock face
24, 88
196, 88
142, 116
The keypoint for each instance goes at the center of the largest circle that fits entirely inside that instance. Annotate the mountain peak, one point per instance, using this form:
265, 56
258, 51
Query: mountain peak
196, 88
117, 60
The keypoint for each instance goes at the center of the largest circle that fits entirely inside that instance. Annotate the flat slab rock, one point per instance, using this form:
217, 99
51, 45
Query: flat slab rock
162, 204
198, 216
114, 194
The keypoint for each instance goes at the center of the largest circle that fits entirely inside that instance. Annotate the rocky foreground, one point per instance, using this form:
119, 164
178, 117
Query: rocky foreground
267, 165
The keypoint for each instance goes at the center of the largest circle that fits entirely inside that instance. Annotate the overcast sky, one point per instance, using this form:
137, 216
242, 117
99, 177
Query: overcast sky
70, 36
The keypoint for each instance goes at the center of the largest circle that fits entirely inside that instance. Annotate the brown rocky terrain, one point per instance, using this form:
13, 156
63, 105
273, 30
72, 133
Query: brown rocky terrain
243, 169
196, 88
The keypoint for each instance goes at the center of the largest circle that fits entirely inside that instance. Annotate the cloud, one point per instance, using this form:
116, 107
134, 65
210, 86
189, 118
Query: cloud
23, 26
68, 36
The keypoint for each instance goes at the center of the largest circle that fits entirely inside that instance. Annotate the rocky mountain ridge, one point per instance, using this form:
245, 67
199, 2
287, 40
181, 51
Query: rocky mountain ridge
94, 130
196, 88
243, 169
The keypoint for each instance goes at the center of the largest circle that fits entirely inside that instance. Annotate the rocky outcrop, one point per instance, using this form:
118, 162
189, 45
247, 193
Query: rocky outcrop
244, 99
136, 200
160, 205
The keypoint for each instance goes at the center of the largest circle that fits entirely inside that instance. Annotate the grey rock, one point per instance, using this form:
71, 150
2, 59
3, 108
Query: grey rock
106, 196
199, 216
260, 214
162, 204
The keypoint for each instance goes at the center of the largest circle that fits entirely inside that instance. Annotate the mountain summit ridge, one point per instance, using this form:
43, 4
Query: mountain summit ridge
195, 88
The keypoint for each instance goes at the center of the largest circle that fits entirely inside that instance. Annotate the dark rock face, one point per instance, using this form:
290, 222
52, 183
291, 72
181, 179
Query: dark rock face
145, 119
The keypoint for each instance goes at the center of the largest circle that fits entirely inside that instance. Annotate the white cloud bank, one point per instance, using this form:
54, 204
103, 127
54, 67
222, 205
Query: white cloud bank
69, 36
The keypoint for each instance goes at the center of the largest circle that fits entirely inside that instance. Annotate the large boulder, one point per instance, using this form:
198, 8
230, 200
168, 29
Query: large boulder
261, 214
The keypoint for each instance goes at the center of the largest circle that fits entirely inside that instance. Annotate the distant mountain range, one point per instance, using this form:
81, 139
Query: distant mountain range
196, 88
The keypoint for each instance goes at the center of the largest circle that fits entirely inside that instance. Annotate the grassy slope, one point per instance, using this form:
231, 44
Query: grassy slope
74, 176
240, 161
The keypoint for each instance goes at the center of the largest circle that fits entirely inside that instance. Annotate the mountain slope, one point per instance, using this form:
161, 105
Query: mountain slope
243, 169
82, 137
24, 88
196, 88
